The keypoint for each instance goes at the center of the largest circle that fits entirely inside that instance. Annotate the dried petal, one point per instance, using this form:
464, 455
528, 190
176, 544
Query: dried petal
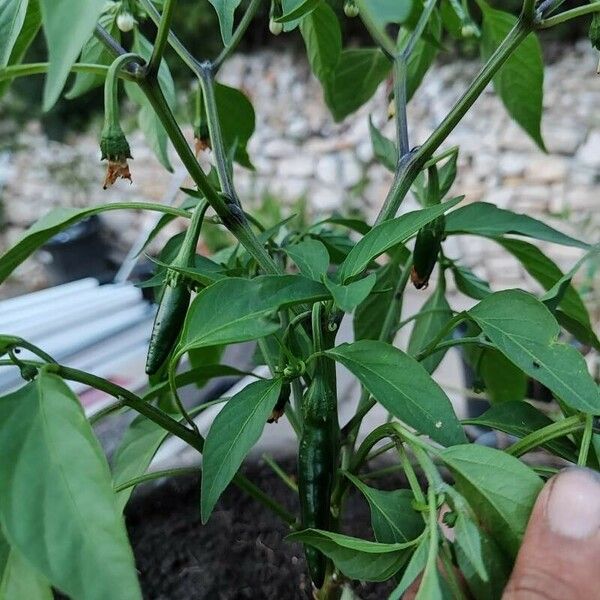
115, 170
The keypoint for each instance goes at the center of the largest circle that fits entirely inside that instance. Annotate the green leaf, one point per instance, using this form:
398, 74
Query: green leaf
299, 9
48, 226
384, 149
148, 121
525, 331
237, 120
356, 558
520, 419
367, 320
482, 218
383, 12
236, 310
349, 296
140, 442
415, 567
428, 326
403, 387
498, 569
467, 538
232, 435
57, 489
392, 516
17, 579
225, 11
95, 53
504, 382
500, 489
68, 24
388, 234
12, 17
547, 274
520, 81
29, 29
311, 257
469, 284
323, 39
357, 75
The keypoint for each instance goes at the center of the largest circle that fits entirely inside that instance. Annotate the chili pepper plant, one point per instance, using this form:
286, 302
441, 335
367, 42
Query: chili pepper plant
288, 288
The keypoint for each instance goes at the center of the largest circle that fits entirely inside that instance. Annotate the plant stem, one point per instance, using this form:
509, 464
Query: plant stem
237, 34
419, 28
400, 101
280, 473
14, 71
568, 15
415, 161
477, 340
162, 37
545, 434
229, 213
586, 440
11, 342
175, 472
174, 427
111, 94
107, 410
409, 471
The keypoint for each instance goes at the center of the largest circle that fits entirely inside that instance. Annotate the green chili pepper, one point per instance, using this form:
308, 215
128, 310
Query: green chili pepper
319, 444
279, 409
429, 239
174, 302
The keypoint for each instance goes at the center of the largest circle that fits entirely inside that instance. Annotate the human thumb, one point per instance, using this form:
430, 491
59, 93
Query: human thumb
560, 555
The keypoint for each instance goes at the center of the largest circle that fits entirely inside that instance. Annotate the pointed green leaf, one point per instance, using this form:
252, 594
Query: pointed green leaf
232, 435
500, 489
383, 12
348, 297
403, 387
520, 419
525, 331
482, 218
415, 567
49, 225
504, 382
12, 17
467, 537
428, 326
354, 557
297, 10
237, 310
57, 489
225, 11
385, 150
520, 80
68, 24
17, 579
469, 284
388, 234
357, 75
140, 442
95, 53
393, 518
311, 258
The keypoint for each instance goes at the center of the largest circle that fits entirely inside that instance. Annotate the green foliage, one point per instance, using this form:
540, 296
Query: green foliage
288, 284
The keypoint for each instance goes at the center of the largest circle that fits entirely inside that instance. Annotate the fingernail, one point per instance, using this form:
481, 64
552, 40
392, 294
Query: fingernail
573, 507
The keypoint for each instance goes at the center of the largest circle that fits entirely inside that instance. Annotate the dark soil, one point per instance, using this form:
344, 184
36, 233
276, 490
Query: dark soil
239, 554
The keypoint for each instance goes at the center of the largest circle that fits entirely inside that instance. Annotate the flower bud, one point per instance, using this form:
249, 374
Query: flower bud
274, 27
125, 21
350, 9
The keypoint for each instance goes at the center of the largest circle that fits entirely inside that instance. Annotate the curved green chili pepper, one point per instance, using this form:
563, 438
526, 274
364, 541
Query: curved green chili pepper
319, 444
174, 302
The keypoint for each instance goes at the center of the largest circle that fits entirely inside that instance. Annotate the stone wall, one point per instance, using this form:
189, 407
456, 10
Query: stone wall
299, 152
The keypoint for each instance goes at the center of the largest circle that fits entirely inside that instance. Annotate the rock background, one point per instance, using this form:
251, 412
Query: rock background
299, 152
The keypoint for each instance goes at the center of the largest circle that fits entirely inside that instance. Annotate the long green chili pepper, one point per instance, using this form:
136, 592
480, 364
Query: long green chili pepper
319, 443
429, 239
175, 298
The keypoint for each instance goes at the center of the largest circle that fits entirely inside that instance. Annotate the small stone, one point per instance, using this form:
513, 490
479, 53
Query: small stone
512, 164
589, 153
329, 169
279, 148
563, 139
352, 172
299, 166
327, 199
547, 169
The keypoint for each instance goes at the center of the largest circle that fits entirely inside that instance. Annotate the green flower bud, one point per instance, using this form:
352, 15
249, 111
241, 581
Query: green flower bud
115, 148
350, 9
274, 27
125, 22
